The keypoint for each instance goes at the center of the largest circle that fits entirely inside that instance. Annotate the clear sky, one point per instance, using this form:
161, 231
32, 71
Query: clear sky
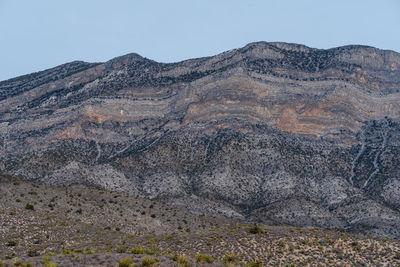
39, 34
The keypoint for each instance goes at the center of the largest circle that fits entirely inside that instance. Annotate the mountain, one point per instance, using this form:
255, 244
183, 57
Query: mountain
271, 132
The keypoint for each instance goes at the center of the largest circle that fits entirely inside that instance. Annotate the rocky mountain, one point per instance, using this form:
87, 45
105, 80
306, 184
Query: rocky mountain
272, 132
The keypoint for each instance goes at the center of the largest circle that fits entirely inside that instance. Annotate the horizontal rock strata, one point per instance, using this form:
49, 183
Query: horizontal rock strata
275, 132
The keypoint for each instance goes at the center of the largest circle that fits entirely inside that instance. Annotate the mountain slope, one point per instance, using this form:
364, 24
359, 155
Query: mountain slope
81, 226
275, 132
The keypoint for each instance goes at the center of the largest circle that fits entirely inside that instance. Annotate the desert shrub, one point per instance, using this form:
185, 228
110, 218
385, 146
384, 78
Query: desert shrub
33, 253
204, 258
148, 236
121, 248
354, 244
11, 243
29, 207
17, 262
230, 258
255, 263
138, 250
51, 254
88, 251
127, 262
150, 251
181, 259
67, 252
255, 229
149, 261
48, 263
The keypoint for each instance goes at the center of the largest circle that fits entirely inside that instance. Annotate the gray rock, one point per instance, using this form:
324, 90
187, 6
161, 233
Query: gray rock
273, 132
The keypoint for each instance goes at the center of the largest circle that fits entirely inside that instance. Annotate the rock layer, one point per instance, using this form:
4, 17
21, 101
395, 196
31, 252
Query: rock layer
274, 132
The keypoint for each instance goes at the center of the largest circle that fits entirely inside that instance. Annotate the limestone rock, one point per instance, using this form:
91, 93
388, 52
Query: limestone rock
274, 132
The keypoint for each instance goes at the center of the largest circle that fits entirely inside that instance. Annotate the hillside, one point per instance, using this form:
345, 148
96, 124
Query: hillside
271, 132
80, 226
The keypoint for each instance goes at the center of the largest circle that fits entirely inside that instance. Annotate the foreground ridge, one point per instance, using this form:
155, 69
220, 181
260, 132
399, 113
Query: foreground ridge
80, 226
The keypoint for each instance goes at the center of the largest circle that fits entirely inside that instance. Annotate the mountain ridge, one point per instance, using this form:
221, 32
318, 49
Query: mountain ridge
279, 45
234, 134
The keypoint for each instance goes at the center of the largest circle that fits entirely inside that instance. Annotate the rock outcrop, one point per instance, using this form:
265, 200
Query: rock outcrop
276, 132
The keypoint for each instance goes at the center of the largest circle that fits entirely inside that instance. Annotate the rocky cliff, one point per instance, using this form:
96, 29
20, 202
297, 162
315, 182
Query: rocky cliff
275, 132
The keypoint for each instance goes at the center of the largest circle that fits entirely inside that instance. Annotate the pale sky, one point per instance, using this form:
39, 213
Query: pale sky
40, 34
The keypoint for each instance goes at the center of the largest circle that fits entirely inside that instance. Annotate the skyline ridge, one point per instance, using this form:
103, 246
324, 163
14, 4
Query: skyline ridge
351, 46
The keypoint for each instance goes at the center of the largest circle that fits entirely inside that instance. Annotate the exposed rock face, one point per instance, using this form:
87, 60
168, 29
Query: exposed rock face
272, 131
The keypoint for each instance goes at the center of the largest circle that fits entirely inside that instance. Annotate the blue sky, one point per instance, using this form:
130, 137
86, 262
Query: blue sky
39, 34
